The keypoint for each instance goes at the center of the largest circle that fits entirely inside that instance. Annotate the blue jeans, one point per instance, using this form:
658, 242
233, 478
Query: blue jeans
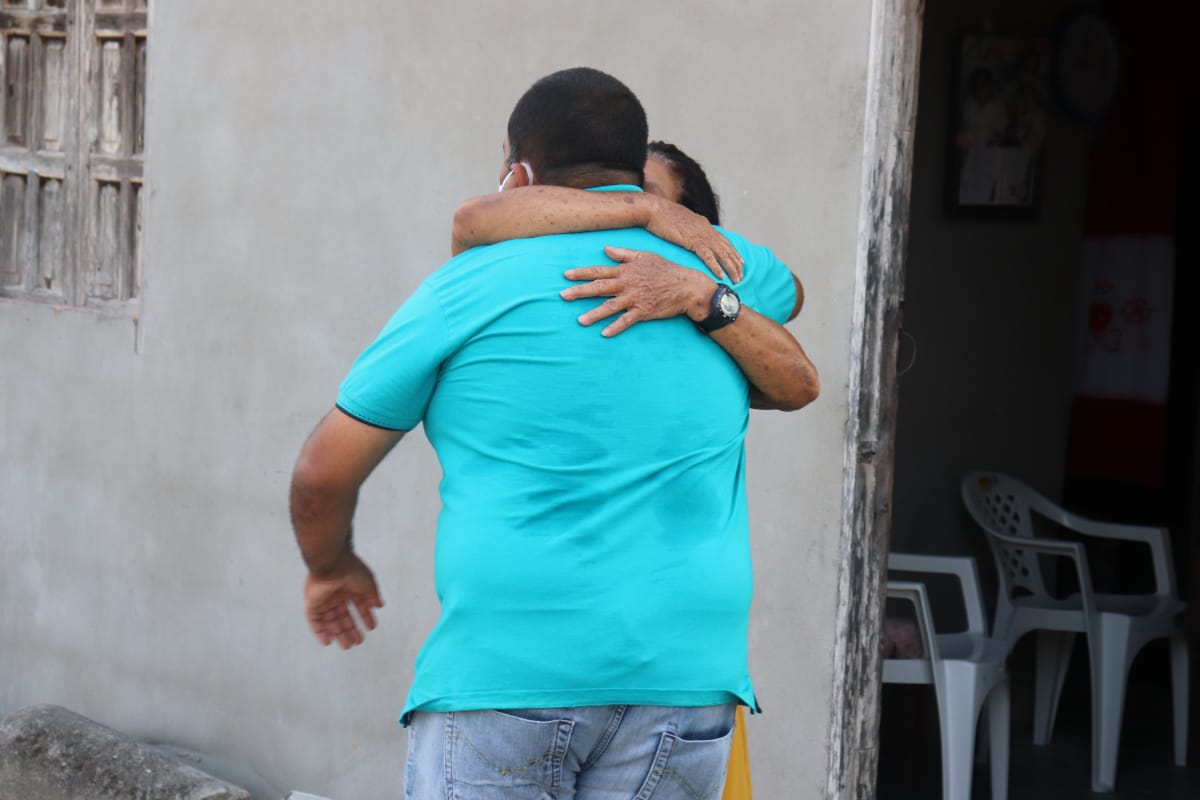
588, 753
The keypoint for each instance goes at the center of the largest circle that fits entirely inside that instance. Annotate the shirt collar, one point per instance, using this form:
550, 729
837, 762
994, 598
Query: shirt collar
616, 187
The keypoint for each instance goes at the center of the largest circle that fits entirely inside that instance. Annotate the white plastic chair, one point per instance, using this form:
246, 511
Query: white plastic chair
965, 669
1118, 626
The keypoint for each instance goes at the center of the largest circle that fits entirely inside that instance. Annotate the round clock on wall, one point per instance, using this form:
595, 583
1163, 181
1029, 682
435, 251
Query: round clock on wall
1087, 62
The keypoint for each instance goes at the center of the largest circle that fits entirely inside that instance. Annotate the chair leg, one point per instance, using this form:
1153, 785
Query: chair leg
1110, 657
982, 742
958, 718
998, 705
1179, 695
1053, 657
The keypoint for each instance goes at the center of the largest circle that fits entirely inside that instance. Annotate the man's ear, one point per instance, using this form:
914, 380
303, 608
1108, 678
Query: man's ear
522, 175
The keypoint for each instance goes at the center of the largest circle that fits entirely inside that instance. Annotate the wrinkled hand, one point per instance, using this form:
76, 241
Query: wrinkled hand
679, 225
644, 286
328, 597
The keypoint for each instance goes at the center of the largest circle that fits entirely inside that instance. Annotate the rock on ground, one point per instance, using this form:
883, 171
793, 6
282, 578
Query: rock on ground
50, 753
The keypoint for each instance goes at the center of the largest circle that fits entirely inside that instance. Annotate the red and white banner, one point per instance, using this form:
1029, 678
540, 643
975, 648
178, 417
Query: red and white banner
1118, 417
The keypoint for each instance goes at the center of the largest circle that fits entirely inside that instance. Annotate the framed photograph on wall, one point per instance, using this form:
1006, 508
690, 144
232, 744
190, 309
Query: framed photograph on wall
999, 117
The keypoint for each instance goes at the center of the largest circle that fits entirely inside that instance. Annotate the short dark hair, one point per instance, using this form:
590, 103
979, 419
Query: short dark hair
578, 120
695, 193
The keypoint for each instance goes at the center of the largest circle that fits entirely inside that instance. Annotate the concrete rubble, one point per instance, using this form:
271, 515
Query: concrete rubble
50, 753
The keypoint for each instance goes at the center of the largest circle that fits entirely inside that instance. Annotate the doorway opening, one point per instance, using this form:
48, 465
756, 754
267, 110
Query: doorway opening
1048, 333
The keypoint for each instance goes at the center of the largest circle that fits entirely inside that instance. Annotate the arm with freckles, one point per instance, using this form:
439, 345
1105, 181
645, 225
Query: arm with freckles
644, 286
542, 209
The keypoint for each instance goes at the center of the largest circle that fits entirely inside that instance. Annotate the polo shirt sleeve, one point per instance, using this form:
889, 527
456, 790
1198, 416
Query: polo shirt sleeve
767, 285
390, 384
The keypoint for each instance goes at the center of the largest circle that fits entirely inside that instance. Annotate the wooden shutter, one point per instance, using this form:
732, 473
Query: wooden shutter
36, 120
113, 117
73, 122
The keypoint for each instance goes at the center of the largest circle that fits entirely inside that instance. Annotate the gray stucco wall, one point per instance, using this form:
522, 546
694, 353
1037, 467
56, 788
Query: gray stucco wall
304, 160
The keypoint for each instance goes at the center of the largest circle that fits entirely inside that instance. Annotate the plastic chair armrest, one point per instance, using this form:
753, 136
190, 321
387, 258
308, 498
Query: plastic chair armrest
962, 567
1157, 539
914, 592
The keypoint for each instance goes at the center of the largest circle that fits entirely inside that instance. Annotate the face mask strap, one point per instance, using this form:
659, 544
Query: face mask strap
528, 176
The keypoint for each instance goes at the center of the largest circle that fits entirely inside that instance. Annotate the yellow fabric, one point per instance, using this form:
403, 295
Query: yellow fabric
737, 778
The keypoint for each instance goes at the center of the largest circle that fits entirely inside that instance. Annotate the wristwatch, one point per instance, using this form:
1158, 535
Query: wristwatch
722, 310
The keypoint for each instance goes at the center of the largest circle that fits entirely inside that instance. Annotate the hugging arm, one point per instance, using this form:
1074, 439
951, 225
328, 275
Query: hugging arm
780, 373
542, 209
644, 286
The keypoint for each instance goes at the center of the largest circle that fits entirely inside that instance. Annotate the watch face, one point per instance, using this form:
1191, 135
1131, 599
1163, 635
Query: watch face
730, 304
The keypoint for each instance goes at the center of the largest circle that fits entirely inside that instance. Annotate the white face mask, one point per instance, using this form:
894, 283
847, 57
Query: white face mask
528, 175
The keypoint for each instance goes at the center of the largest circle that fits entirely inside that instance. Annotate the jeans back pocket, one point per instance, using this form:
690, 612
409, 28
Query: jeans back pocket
493, 750
688, 769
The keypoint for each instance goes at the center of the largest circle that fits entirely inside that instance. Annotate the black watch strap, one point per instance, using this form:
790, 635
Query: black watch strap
723, 309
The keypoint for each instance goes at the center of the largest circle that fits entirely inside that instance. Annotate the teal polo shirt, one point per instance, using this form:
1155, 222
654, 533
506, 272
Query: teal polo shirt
593, 545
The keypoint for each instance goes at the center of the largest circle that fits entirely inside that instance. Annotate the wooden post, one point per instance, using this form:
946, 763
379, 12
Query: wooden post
879, 280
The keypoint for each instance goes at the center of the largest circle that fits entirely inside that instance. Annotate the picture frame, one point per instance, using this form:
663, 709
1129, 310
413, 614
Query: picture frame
998, 125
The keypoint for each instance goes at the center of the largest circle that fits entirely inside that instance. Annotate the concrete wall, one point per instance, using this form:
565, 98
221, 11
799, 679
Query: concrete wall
991, 306
304, 160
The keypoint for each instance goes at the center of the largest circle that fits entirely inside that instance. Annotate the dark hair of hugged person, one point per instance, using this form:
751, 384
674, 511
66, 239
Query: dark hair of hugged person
695, 192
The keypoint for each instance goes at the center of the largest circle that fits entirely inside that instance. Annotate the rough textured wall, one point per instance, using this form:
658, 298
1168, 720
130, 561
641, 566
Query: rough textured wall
304, 160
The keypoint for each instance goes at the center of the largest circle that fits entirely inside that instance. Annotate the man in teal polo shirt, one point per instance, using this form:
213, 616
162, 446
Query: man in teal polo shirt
592, 556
